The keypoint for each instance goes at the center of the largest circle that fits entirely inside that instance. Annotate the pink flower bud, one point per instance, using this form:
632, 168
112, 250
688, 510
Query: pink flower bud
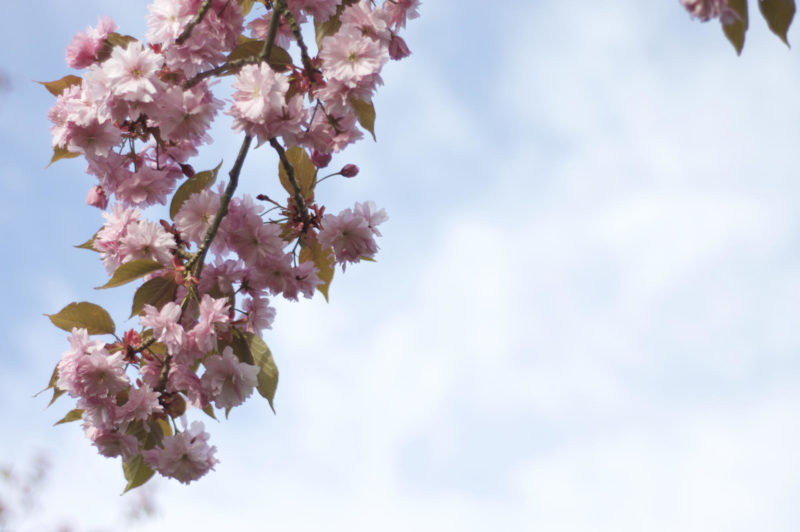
398, 49
320, 160
97, 197
349, 170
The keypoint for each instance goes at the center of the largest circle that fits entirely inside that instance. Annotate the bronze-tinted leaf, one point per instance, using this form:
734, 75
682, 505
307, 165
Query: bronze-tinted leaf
94, 318
325, 262
130, 271
779, 15
365, 113
111, 41
279, 58
305, 173
136, 472
157, 292
197, 183
736, 30
72, 415
60, 85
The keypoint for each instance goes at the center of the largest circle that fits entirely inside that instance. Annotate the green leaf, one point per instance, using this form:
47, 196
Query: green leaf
61, 153
365, 113
89, 244
157, 292
305, 173
209, 411
326, 28
248, 346
279, 58
325, 262
736, 30
779, 15
57, 392
60, 85
247, 5
94, 318
72, 415
136, 472
197, 183
330, 26
130, 271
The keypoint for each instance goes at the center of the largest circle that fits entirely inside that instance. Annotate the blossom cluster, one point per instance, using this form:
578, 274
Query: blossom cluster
138, 114
706, 10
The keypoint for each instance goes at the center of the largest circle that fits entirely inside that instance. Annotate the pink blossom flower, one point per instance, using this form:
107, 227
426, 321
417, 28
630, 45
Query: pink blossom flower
83, 49
351, 57
398, 11
227, 381
132, 72
141, 404
111, 442
164, 322
182, 379
259, 314
196, 214
350, 236
185, 456
148, 186
147, 240
187, 114
96, 197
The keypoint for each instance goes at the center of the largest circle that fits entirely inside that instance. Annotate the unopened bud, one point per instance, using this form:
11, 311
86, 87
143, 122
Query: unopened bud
398, 49
320, 159
349, 170
97, 197
187, 170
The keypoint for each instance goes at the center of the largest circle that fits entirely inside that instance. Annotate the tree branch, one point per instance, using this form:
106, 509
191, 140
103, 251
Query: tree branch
298, 196
198, 18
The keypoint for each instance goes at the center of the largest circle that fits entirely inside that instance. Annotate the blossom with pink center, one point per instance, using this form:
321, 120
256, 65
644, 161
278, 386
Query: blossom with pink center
370, 22
182, 379
196, 214
112, 442
93, 140
141, 404
352, 58
253, 240
80, 346
188, 113
185, 456
350, 236
147, 240
83, 49
95, 373
306, 280
227, 381
373, 217
214, 317
165, 324
283, 37
148, 186
132, 72
259, 314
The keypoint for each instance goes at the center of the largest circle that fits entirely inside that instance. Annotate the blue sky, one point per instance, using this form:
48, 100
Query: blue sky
583, 315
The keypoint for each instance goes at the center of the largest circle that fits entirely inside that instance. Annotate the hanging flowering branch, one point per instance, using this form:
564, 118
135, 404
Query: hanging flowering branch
138, 114
733, 16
